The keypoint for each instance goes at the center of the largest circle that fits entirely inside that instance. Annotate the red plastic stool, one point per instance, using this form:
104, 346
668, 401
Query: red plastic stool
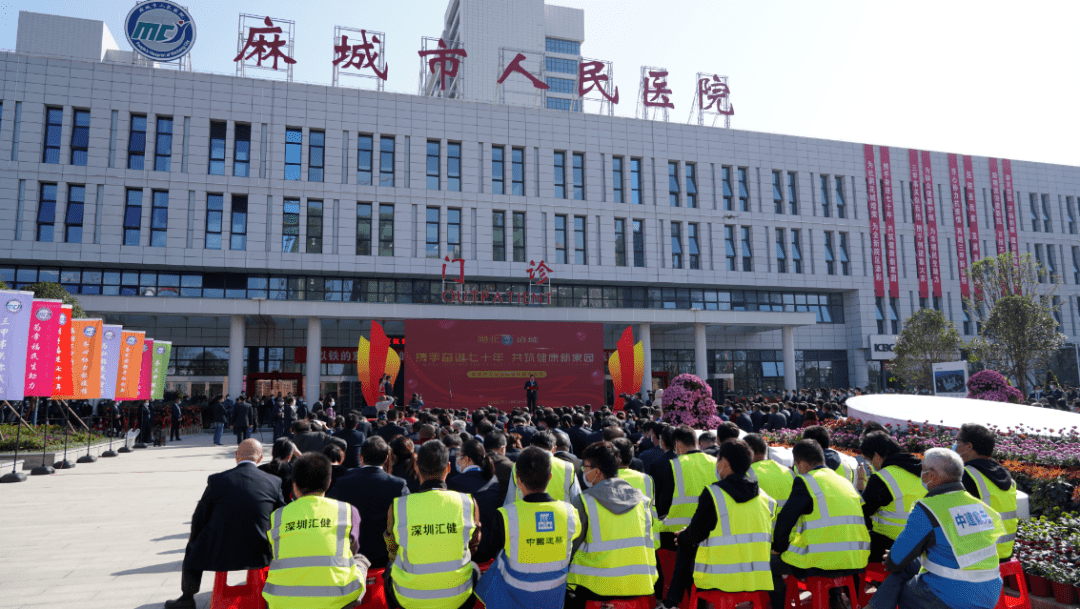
666, 564
484, 567
245, 596
1006, 601
875, 573
728, 600
819, 590
374, 592
641, 602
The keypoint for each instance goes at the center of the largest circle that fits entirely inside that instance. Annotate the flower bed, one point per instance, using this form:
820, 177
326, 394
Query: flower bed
1048, 547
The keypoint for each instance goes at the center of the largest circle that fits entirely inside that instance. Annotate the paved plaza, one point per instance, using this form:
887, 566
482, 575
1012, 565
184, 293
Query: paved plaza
110, 534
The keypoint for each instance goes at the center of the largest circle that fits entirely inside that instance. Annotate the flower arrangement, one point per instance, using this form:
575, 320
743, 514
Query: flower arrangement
688, 401
1049, 546
992, 386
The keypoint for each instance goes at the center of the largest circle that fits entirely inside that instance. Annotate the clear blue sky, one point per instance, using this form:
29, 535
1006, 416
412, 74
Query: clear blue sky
989, 78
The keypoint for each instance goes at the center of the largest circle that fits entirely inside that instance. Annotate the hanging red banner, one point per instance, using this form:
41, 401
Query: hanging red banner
1010, 207
931, 224
917, 212
972, 209
875, 220
43, 340
958, 224
999, 219
62, 384
146, 372
890, 222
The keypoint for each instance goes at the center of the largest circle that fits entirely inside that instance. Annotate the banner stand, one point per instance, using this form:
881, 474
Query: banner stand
65, 463
14, 476
43, 469
74, 414
17, 415
124, 448
87, 458
110, 452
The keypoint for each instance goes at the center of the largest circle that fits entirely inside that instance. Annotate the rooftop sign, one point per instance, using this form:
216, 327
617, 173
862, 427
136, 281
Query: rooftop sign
160, 30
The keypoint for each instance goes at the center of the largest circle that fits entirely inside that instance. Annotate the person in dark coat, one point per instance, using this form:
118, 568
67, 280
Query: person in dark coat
146, 422
353, 440
743, 420
217, 412
477, 478
578, 434
243, 418
290, 414
309, 441
531, 389
562, 451
495, 448
389, 431
174, 420
371, 491
228, 528
777, 419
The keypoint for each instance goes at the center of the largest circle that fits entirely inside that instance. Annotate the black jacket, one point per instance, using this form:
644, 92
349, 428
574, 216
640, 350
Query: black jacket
242, 416
877, 494
993, 470
311, 441
174, 412
388, 431
745, 423
372, 491
504, 469
353, 440
228, 528
218, 410
578, 437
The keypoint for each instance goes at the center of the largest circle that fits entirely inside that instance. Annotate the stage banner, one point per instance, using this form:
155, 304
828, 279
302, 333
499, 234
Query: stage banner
890, 222
127, 375
999, 219
972, 209
875, 220
111, 339
85, 359
1010, 207
480, 363
931, 224
625, 366
62, 381
14, 336
43, 339
146, 372
917, 213
958, 225
162, 352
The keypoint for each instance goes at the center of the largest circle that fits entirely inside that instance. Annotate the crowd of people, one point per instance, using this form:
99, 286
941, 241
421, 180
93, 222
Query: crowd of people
546, 507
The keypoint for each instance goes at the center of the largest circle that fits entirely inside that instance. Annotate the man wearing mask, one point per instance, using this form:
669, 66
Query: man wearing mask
891, 492
988, 481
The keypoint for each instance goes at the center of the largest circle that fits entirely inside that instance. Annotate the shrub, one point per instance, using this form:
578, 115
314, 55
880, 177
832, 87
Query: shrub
991, 386
688, 401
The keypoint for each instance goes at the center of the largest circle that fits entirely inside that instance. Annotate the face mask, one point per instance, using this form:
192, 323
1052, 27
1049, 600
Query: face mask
954, 447
587, 483
923, 482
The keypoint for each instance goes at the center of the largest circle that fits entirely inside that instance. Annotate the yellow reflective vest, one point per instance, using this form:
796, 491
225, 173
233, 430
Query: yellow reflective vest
906, 488
561, 487
433, 568
644, 484
735, 557
618, 555
834, 536
692, 473
775, 479
1002, 502
975, 548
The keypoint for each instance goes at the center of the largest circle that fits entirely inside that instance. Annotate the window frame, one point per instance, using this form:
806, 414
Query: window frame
313, 230
216, 163
53, 132
294, 170
163, 141
80, 138
560, 231
498, 170
216, 206
241, 157
581, 240
432, 243
430, 167
137, 152
559, 177
674, 188
290, 210
518, 235
498, 235
132, 220
361, 172
238, 217
72, 202
46, 215
620, 241
363, 220
159, 221
617, 179
386, 230
316, 155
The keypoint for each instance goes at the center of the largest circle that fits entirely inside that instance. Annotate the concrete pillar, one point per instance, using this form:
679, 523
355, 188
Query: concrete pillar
645, 336
701, 359
236, 355
789, 357
313, 371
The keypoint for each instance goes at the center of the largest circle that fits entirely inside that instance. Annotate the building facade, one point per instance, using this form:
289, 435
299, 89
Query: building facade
247, 220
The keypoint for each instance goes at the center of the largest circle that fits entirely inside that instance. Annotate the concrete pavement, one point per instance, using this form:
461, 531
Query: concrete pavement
110, 534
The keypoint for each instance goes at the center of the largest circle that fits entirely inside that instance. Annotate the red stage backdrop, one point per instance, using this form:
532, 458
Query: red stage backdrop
488, 362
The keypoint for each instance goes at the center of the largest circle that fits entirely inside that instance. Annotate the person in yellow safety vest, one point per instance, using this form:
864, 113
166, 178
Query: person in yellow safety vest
988, 481
820, 531
726, 546
773, 478
680, 484
617, 556
430, 537
313, 566
833, 461
890, 492
536, 536
951, 537
563, 485
642, 482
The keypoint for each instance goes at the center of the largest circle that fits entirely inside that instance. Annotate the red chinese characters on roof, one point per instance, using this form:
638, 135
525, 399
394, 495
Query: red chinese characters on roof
656, 92
591, 73
263, 49
359, 56
515, 66
713, 94
538, 273
445, 60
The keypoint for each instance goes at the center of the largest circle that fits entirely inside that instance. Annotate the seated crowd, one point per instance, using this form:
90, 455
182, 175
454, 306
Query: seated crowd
562, 506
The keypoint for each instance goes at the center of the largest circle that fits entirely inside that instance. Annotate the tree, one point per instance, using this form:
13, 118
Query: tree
927, 338
54, 291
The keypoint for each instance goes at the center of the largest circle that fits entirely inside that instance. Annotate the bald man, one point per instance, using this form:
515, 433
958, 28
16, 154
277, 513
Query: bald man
228, 528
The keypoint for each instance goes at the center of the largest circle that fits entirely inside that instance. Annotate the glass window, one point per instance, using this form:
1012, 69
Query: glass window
1070, 211
433, 175
796, 250
793, 193
242, 150
561, 45
725, 182
826, 209
841, 210
747, 250
386, 230
561, 103
73, 221
1051, 267
781, 252
560, 239
635, 181
363, 229
132, 216
620, 242
676, 245
80, 138
617, 177
238, 238
560, 175
893, 316
497, 170
1047, 224
673, 182
294, 140
691, 185
777, 193
316, 154
580, 241
314, 226
729, 247
363, 160
563, 66
830, 260
692, 246
579, 176
1034, 212
519, 236
561, 85
432, 235
518, 171
137, 142
1076, 264
54, 124
46, 217
386, 161
217, 148
744, 191
639, 243
453, 232
290, 227
498, 236
163, 144
845, 263
453, 167
215, 207
159, 218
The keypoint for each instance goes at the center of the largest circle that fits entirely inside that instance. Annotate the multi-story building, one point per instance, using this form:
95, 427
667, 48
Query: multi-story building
244, 219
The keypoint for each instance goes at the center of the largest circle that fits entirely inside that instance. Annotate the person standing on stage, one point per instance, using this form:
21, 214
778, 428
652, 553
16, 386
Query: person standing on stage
531, 386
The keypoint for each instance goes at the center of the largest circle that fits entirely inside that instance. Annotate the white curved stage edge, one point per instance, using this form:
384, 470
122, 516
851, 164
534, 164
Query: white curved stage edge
898, 410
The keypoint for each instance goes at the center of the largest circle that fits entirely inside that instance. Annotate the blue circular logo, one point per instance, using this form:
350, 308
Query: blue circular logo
89, 331
131, 340
160, 30
14, 306
507, 340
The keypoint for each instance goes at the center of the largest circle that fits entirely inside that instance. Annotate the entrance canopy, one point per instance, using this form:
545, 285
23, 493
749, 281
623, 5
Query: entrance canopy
900, 410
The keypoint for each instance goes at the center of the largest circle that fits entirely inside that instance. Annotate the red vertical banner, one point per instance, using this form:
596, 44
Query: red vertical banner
875, 220
43, 340
931, 224
890, 222
972, 209
999, 218
1010, 207
146, 373
958, 225
62, 382
920, 229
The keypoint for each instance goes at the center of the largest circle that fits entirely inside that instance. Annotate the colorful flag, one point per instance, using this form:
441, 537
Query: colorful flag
111, 339
162, 351
62, 382
14, 330
85, 359
375, 358
146, 372
626, 366
128, 373
43, 340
